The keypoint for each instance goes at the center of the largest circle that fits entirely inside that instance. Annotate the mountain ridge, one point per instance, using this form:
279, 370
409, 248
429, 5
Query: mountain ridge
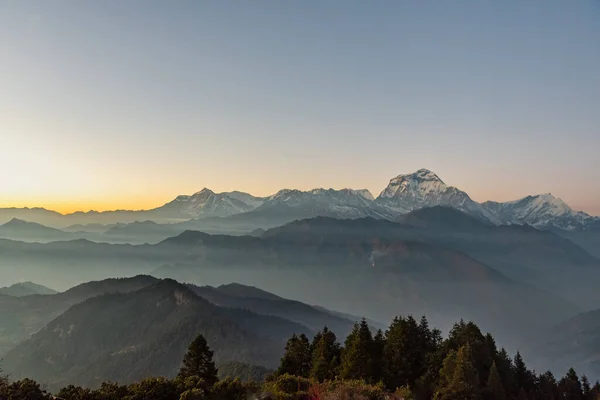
403, 194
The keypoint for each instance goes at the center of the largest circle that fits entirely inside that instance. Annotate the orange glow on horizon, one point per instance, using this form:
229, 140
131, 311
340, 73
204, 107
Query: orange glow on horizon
70, 207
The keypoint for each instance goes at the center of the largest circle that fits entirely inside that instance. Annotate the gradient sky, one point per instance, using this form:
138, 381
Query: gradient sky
125, 104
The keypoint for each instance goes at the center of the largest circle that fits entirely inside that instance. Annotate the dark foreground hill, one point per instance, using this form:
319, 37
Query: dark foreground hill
22, 317
128, 336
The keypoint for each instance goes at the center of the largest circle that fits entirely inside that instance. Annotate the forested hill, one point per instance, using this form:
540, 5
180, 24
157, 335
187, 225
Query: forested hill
410, 360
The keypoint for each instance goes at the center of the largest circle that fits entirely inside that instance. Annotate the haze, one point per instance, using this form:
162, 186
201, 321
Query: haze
127, 104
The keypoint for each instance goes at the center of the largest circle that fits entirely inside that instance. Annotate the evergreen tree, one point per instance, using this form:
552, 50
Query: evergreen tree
325, 356
72, 392
357, 362
426, 385
153, 388
26, 389
523, 376
297, 357
447, 371
405, 353
586, 389
570, 386
198, 362
377, 355
494, 388
547, 388
111, 391
482, 357
595, 392
464, 382
506, 370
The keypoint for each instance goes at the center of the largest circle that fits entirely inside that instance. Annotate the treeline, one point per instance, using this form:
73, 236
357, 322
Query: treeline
413, 361
409, 361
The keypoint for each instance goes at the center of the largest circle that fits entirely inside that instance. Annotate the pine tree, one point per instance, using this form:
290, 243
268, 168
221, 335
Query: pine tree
325, 356
297, 357
547, 386
198, 362
482, 357
447, 371
405, 353
570, 386
377, 355
506, 370
494, 388
464, 382
595, 392
586, 389
523, 377
357, 362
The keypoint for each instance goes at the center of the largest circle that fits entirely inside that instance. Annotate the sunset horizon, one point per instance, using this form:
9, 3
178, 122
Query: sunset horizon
277, 199
141, 201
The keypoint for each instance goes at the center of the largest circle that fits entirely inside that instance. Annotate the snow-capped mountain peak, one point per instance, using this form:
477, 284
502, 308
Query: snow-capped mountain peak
204, 192
424, 188
343, 203
543, 210
207, 203
416, 185
364, 193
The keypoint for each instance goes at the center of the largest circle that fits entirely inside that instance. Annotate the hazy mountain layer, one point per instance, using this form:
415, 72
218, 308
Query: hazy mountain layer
129, 336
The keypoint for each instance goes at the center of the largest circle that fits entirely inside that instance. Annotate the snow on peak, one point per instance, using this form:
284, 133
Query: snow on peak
540, 210
364, 193
417, 184
207, 203
423, 188
204, 192
556, 204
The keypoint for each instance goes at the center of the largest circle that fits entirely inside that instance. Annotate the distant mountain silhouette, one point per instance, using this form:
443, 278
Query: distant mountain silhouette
25, 289
17, 229
574, 342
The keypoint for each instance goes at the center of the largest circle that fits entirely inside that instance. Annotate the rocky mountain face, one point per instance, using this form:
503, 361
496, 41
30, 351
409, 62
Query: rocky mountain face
344, 203
423, 189
404, 193
542, 211
208, 203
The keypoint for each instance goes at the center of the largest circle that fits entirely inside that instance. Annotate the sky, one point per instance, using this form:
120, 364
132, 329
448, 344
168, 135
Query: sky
126, 104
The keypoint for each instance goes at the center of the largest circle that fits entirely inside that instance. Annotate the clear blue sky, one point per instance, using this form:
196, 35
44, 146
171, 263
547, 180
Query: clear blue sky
108, 104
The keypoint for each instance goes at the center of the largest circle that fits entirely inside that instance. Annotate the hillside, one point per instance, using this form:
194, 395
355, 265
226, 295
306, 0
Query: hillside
24, 316
369, 276
128, 336
523, 253
574, 342
25, 289
268, 304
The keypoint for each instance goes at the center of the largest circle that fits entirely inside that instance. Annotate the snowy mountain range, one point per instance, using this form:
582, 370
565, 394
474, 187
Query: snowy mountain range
542, 210
406, 193
207, 203
403, 194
